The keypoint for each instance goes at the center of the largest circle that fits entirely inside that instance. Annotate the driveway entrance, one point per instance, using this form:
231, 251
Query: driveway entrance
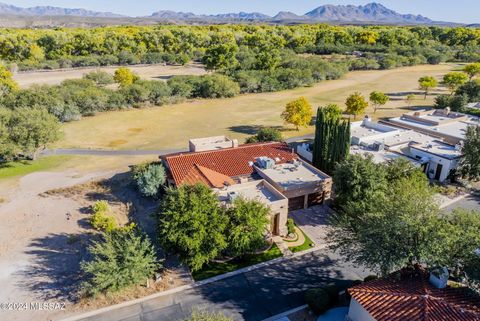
313, 221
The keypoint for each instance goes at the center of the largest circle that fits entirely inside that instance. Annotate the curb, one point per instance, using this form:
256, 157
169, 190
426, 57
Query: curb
453, 201
192, 286
286, 313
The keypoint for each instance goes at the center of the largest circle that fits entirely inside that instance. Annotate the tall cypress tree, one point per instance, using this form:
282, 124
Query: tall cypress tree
332, 140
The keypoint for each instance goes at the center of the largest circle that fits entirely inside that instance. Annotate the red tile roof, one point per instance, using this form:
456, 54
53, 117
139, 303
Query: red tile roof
415, 299
186, 168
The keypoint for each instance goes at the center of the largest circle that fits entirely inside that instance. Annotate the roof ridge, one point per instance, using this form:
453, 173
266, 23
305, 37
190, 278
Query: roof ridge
242, 146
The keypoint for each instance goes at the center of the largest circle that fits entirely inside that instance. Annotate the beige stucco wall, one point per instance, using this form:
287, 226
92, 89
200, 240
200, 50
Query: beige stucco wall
356, 312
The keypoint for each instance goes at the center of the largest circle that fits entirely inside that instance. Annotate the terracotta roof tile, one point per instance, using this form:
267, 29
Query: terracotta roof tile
415, 299
231, 162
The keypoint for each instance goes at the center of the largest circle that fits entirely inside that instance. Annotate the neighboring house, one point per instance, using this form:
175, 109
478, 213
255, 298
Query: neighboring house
410, 296
441, 123
270, 172
475, 105
386, 143
436, 158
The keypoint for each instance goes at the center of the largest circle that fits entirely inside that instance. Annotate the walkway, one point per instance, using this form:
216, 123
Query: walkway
314, 222
251, 296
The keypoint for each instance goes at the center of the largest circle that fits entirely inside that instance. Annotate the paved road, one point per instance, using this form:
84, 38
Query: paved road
251, 296
470, 202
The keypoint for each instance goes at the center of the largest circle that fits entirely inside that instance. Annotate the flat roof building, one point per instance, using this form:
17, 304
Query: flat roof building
441, 123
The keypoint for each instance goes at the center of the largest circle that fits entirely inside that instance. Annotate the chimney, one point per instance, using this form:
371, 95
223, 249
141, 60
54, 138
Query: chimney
234, 143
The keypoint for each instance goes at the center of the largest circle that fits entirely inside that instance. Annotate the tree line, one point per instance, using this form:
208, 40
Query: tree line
65, 47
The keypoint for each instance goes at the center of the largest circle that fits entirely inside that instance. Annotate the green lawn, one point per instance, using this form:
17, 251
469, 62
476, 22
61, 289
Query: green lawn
214, 268
304, 246
18, 168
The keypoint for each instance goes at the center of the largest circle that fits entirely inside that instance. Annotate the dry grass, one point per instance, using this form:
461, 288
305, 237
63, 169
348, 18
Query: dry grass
171, 126
169, 280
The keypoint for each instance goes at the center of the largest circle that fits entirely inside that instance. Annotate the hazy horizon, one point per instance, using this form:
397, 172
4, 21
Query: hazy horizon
463, 11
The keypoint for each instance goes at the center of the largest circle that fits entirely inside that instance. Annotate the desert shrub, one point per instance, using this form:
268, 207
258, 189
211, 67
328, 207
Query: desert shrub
158, 91
290, 226
85, 61
127, 58
100, 78
149, 178
317, 300
107, 60
121, 259
100, 219
152, 58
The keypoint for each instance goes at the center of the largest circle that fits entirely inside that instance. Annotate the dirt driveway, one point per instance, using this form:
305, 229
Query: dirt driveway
39, 242
155, 72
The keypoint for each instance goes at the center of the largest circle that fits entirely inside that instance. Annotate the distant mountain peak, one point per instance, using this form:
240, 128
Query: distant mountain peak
371, 12
6, 9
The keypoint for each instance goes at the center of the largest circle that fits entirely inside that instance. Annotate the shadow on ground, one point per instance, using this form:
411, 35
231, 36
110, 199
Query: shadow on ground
54, 272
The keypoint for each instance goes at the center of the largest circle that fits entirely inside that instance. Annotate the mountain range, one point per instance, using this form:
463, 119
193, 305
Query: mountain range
369, 13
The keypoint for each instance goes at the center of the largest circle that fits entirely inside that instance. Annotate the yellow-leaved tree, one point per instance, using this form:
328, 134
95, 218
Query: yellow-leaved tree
298, 113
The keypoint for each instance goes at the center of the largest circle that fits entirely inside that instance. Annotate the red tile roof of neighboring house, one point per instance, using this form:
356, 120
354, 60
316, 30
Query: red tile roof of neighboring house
212, 166
414, 299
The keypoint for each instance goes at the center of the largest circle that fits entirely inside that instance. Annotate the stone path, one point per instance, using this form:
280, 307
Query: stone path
282, 245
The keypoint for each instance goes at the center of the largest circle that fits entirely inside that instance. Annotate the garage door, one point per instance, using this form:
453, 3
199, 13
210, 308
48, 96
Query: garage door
315, 199
295, 203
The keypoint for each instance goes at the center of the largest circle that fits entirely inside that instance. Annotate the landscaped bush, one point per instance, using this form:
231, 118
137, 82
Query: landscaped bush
149, 178
100, 78
317, 300
123, 258
100, 219
290, 226
265, 135
332, 291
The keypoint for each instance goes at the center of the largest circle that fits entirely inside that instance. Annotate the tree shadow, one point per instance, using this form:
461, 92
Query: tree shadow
54, 272
253, 129
274, 289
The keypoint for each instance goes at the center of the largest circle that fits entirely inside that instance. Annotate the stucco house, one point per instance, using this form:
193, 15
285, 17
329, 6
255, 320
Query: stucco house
269, 172
408, 295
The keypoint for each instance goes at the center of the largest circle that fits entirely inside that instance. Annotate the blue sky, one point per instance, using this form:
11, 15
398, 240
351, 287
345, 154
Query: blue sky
466, 11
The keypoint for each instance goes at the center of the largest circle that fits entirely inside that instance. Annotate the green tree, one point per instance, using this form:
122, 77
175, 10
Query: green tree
470, 163
266, 134
472, 70
402, 227
453, 80
7, 84
121, 259
248, 220
358, 181
356, 104
427, 83
461, 242
32, 129
409, 99
378, 99
332, 139
298, 113
221, 53
124, 77
332, 111
192, 224
149, 178
7, 147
